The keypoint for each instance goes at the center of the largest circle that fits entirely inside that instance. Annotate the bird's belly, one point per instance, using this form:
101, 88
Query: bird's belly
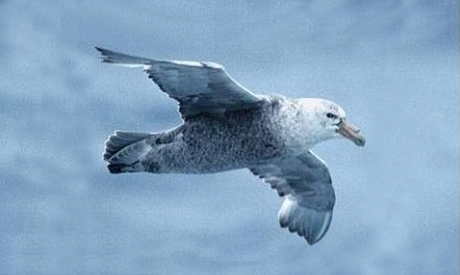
214, 155
206, 149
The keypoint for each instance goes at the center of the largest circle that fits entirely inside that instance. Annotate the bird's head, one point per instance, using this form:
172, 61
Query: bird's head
329, 120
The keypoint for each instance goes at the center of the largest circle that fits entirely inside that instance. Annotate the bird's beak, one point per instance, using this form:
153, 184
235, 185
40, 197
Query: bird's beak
349, 131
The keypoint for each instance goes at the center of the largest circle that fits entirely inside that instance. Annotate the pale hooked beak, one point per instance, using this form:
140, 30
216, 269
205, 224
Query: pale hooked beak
351, 132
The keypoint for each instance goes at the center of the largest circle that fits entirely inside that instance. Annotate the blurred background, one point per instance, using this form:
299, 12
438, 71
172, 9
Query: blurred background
393, 65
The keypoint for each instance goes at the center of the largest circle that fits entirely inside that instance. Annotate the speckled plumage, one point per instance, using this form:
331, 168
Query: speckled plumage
207, 144
226, 127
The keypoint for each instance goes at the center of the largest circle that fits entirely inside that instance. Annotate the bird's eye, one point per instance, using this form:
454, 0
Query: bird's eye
331, 115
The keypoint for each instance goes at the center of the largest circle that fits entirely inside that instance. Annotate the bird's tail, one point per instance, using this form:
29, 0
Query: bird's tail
123, 59
124, 151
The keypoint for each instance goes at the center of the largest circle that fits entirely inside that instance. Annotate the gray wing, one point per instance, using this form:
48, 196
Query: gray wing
306, 184
200, 87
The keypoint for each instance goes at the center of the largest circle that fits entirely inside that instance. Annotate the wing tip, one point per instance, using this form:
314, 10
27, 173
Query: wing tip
105, 55
112, 57
103, 52
306, 222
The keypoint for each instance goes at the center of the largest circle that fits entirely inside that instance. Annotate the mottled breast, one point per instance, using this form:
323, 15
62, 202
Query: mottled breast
233, 140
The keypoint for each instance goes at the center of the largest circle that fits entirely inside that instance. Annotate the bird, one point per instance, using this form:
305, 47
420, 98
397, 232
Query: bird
225, 126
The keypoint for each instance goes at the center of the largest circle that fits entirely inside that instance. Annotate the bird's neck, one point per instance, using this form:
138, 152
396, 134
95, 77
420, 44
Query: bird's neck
298, 127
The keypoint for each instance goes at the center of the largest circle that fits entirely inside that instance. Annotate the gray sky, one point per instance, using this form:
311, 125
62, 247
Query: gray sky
392, 65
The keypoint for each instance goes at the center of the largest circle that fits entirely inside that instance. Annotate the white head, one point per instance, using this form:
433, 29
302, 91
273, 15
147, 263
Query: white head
327, 120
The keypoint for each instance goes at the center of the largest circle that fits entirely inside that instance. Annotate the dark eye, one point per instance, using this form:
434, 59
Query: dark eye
331, 115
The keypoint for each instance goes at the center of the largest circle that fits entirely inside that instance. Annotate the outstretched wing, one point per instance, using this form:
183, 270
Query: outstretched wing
306, 184
200, 87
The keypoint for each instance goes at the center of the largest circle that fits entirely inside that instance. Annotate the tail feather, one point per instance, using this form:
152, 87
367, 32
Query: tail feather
123, 59
116, 168
120, 140
123, 151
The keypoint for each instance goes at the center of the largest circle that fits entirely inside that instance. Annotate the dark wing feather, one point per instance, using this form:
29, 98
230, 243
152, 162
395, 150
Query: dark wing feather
306, 183
199, 87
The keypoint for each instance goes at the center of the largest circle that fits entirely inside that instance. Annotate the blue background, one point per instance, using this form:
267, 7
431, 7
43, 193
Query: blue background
393, 65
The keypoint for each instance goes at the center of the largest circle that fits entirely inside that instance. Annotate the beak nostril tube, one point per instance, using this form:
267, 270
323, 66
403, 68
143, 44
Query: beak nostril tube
351, 132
